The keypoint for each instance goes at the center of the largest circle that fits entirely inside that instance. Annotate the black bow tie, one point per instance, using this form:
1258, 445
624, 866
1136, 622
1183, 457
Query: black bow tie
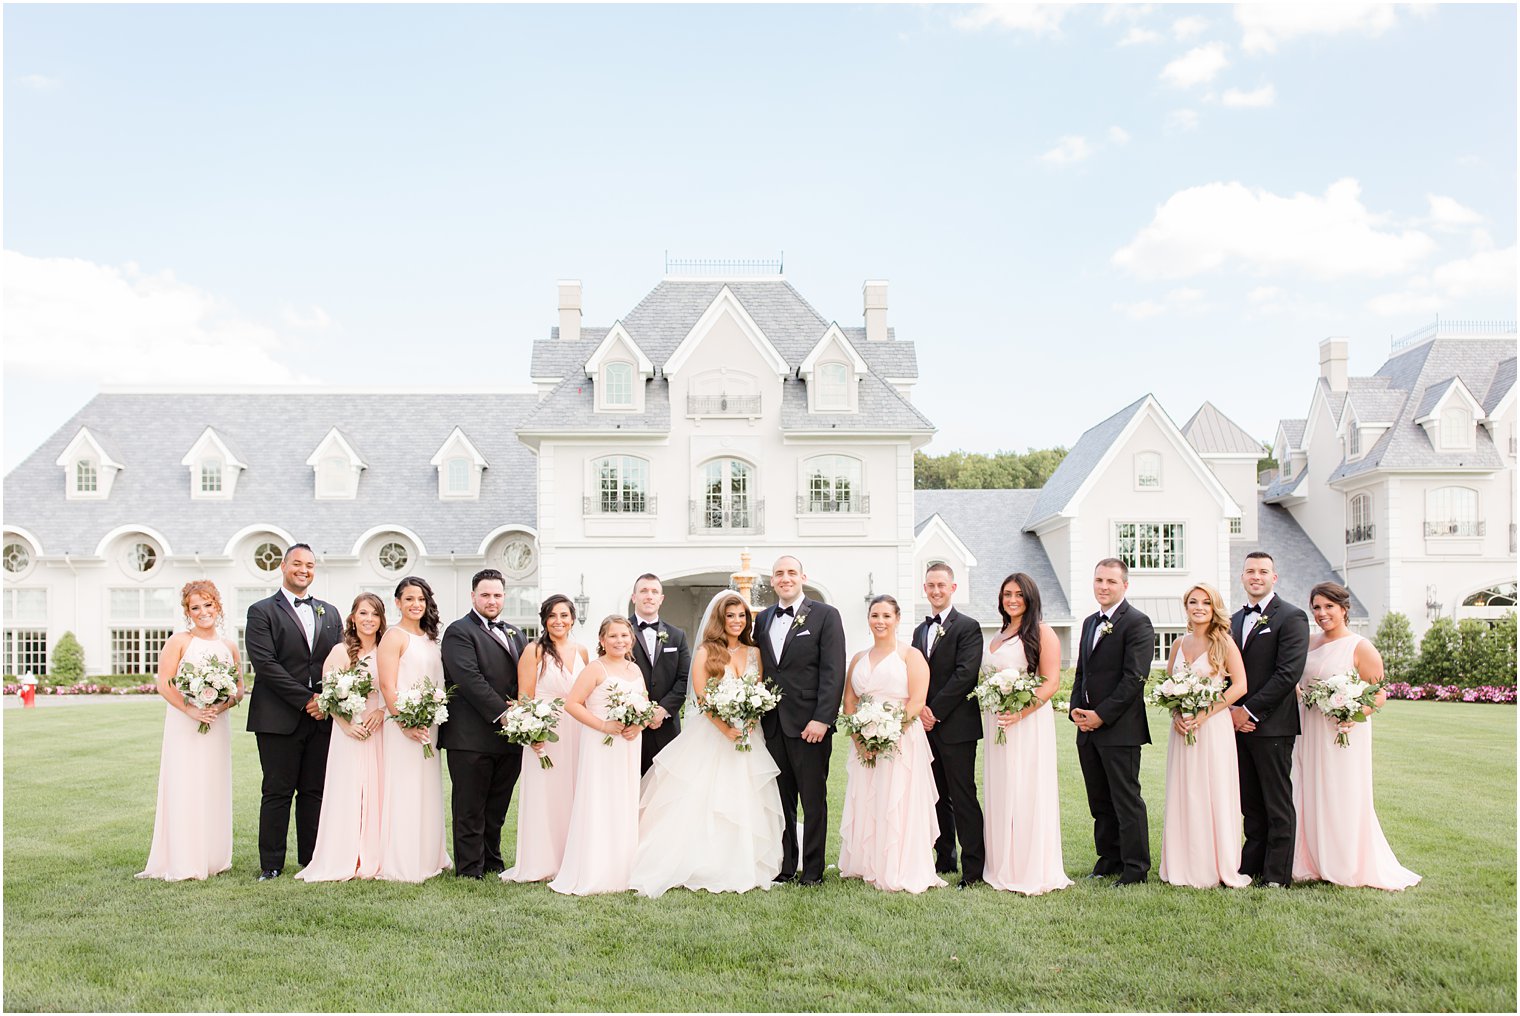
304, 601
497, 624
932, 620
1102, 618
648, 624
788, 611
1253, 608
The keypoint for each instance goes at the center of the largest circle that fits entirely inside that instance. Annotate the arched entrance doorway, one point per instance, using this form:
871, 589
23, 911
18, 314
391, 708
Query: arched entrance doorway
687, 596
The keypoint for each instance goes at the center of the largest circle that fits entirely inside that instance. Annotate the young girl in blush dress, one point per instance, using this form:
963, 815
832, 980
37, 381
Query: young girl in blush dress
348, 831
192, 828
548, 670
604, 820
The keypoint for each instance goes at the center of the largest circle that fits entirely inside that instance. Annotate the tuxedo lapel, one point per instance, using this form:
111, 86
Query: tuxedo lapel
640, 654
1237, 625
803, 606
762, 635
283, 602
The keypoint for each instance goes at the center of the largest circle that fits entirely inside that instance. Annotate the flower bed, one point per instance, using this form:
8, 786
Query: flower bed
1450, 692
85, 688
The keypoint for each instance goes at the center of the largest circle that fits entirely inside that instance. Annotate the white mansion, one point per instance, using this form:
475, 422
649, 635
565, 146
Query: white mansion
725, 414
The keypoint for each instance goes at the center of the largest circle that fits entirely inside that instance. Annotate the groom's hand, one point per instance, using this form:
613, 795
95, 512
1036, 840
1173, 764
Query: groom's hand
659, 717
312, 709
814, 731
926, 717
1086, 719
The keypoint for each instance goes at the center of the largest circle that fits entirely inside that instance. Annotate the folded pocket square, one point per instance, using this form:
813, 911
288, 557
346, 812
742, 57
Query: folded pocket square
803, 632
669, 649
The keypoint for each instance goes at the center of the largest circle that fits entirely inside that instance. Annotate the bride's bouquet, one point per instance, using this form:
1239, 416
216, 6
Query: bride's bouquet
879, 725
529, 721
421, 706
344, 692
628, 706
207, 683
1186, 693
1005, 691
739, 700
1342, 697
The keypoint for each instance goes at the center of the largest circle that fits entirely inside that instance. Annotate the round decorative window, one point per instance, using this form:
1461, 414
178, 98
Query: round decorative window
17, 558
142, 557
267, 557
517, 557
393, 556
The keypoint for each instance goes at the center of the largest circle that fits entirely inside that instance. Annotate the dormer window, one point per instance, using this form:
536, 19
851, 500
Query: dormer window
88, 466
459, 464
86, 478
832, 370
211, 476
1456, 428
214, 467
458, 476
1354, 442
617, 386
337, 464
332, 476
833, 382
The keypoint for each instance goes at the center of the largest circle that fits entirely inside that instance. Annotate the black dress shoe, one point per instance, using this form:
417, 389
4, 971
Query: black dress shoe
1126, 881
967, 883
1097, 875
810, 881
272, 873
945, 869
784, 877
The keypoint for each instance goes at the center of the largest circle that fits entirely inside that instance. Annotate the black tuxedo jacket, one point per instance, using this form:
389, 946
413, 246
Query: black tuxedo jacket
665, 676
287, 671
1111, 678
483, 673
1274, 658
810, 672
954, 664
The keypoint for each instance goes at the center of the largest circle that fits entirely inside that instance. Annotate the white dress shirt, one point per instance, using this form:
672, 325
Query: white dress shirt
1248, 626
779, 624
1103, 612
496, 633
648, 636
305, 615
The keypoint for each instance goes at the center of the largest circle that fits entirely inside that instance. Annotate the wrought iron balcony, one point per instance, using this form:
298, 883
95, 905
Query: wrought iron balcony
722, 405
713, 515
1456, 527
1359, 534
808, 505
625, 504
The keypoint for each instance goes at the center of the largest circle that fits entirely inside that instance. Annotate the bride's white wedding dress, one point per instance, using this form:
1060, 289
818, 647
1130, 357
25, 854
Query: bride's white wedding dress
709, 815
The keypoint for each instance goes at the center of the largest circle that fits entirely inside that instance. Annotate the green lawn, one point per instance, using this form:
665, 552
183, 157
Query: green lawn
82, 934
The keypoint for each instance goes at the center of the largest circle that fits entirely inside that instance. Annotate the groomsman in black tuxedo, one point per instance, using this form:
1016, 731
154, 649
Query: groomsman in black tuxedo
480, 654
1114, 656
664, 659
289, 636
802, 650
952, 643
1273, 637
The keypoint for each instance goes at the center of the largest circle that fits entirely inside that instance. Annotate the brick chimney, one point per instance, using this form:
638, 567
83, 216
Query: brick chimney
875, 294
1332, 362
570, 310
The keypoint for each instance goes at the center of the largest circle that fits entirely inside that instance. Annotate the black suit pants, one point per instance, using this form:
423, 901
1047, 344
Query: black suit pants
1266, 803
805, 776
1120, 830
295, 765
653, 741
959, 813
483, 783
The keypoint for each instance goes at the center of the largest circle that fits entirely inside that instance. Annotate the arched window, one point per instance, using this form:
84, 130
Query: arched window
620, 484
617, 385
1452, 511
1147, 471
1500, 595
727, 495
833, 380
1359, 519
833, 484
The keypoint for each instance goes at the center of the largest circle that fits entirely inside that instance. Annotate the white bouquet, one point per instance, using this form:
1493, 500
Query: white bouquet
878, 725
739, 700
1342, 697
421, 706
205, 684
1005, 691
345, 692
529, 721
1186, 693
628, 706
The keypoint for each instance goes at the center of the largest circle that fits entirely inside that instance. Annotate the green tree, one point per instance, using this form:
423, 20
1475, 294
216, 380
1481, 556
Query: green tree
68, 658
1395, 643
1472, 665
1499, 652
960, 470
1438, 653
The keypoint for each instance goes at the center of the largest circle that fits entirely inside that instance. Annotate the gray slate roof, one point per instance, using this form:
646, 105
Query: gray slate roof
1284, 484
1434, 394
1504, 380
880, 408
274, 434
1079, 462
1300, 565
571, 408
1294, 430
1377, 405
1405, 445
991, 524
1210, 432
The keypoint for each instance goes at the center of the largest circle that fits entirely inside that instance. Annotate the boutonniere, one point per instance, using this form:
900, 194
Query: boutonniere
663, 637
939, 631
1106, 628
1261, 620
800, 619
321, 610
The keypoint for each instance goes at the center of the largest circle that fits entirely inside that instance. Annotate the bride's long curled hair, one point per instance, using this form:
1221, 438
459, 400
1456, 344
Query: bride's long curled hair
715, 634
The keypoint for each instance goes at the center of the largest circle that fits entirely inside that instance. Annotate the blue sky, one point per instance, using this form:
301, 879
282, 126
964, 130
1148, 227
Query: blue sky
1074, 205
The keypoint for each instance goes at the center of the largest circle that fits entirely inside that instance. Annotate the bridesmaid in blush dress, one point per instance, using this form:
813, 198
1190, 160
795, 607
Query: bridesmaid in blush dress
1023, 811
548, 669
348, 831
888, 827
1201, 833
604, 820
1339, 837
192, 828
411, 804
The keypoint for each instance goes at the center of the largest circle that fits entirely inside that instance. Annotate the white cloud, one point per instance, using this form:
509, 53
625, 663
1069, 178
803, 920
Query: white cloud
39, 82
1035, 19
1138, 36
1487, 271
1184, 301
1206, 228
1449, 215
1264, 25
1265, 294
70, 319
1198, 66
1132, 13
310, 320
1118, 135
1260, 98
1070, 149
1179, 120
1184, 29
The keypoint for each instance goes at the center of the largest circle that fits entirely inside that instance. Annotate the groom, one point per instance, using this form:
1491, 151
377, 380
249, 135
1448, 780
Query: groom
289, 637
661, 652
1273, 637
1108, 707
802, 650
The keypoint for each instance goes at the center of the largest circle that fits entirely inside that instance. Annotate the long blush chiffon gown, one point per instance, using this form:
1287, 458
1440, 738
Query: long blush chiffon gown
888, 827
348, 830
192, 828
411, 805
1023, 809
543, 807
1339, 837
604, 820
1201, 831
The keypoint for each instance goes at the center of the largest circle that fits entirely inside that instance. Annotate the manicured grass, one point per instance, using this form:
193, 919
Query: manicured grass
81, 933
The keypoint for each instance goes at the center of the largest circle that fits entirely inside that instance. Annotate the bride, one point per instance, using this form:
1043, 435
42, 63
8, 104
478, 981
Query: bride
709, 815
